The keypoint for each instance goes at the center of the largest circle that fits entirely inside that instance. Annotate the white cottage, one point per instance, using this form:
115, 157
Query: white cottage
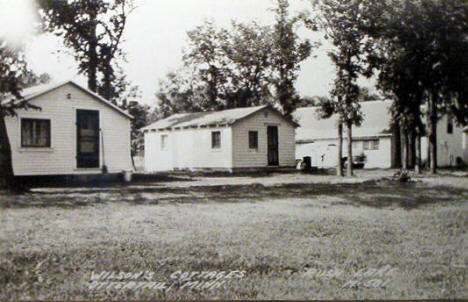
230, 140
75, 132
318, 138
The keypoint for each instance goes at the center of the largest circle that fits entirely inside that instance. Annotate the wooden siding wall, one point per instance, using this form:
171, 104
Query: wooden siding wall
187, 149
157, 159
243, 157
449, 146
61, 157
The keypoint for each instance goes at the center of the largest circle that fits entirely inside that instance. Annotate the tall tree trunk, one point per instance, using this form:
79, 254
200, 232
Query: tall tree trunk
92, 73
93, 57
107, 89
396, 150
349, 170
339, 167
433, 133
7, 179
428, 145
417, 155
411, 149
213, 87
407, 150
404, 149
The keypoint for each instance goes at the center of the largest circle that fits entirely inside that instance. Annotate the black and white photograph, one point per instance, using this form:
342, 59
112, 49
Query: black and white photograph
233, 150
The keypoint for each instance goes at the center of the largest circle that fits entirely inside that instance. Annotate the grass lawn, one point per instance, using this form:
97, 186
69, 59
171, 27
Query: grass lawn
313, 241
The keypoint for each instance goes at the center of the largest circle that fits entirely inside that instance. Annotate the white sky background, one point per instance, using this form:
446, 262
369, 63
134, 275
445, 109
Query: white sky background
156, 34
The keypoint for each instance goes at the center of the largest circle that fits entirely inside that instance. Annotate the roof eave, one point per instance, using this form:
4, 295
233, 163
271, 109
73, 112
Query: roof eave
311, 140
60, 84
103, 100
296, 125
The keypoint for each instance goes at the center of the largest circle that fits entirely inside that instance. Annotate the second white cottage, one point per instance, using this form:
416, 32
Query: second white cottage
230, 140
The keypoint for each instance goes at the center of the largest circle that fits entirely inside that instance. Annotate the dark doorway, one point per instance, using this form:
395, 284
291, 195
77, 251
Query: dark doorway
272, 132
87, 126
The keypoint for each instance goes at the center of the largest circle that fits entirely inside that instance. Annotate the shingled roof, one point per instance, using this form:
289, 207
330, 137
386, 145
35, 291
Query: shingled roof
376, 122
202, 119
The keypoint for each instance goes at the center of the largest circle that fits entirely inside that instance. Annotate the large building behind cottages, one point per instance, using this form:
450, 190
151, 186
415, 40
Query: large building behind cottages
229, 140
318, 138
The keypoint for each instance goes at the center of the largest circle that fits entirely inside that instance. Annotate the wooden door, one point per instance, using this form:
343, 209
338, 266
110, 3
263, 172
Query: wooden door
272, 132
87, 126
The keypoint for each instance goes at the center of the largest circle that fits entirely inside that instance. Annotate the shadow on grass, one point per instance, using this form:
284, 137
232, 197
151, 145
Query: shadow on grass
97, 181
377, 194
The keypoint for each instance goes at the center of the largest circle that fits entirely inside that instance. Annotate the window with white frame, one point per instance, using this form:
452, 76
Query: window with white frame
35, 133
253, 140
371, 144
215, 139
164, 142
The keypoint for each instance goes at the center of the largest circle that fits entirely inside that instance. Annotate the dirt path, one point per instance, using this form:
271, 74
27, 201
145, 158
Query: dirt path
453, 180
269, 180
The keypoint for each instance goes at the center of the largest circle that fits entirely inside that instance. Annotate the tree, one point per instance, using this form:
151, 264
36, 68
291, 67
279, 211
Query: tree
31, 79
13, 70
397, 76
93, 29
223, 68
425, 43
287, 53
246, 48
230, 67
123, 91
126, 97
205, 58
340, 22
313, 101
327, 108
365, 95
246, 64
141, 118
180, 92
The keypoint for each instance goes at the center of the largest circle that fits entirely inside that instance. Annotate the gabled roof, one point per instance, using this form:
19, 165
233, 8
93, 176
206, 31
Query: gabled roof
35, 91
201, 119
376, 122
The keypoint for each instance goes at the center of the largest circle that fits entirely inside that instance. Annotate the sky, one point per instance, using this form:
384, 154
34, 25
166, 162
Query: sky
155, 36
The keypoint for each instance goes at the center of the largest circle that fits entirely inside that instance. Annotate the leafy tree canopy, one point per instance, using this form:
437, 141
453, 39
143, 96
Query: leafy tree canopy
246, 64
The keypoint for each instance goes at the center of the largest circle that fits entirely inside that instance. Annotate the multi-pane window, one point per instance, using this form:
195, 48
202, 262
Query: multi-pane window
215, 139
35, 133
371, 144
253, 140
375, 144
164, 142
